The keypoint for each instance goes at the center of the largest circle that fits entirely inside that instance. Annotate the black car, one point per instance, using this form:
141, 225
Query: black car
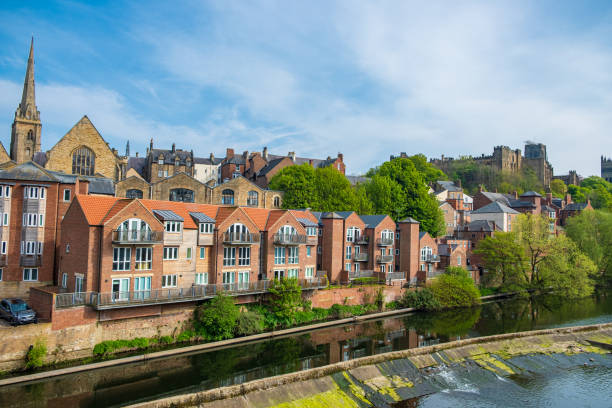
17, 311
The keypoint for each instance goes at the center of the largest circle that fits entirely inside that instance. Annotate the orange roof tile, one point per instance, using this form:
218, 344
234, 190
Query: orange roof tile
223, 213
304, 214
258, 215
182, 209
114, 210
95, 207
274, 216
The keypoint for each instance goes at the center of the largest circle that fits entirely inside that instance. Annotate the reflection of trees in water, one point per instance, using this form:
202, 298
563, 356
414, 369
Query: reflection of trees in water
448, 323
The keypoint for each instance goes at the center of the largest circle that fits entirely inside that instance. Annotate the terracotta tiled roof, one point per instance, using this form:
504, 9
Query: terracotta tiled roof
259, 216
95, 207
274, 216
119, 205
223, 213
304, 214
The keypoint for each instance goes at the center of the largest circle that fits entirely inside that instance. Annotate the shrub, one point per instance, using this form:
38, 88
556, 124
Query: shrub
285, 300
379, 300
249, 322
420, 299
455, 288
35, 356
216, 320
364, 281
185, 336
165, 340
392, 305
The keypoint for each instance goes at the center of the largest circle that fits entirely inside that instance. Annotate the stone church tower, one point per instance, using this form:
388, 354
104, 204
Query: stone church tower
26, 132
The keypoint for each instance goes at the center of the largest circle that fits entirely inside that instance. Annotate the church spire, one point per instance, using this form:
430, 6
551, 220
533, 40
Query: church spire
27, 107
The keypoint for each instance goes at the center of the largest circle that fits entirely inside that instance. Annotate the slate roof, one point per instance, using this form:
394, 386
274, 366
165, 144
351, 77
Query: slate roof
546, 208
170, 156
40, 158
138, 164
28, 171
344, 214
521, 204
575, 207
302, 160
236, 159
449, 186
331, 215
306, 222
531, 194
409, 220
206, 160
558, 202
270, 166
201, 217
482, 225
422, 234
495, 207
354, 180
168, 215
502, 198
372, 221
100, 185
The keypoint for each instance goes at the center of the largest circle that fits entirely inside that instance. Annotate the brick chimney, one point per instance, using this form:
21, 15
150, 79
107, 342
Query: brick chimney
341, 157
229, 153
515, 194
245, 154
212, 157
264, 153
173, 147
291, 155
568, 198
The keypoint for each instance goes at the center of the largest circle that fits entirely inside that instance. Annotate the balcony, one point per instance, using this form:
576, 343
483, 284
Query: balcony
384, 258
289, 239
240, 238
396, 276
362, 240
114, 300
432, 258
361, 257
30, 260
384, 241
137, 237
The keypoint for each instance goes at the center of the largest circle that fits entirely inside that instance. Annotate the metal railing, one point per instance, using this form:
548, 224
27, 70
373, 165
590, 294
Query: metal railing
362, 240
362, 274
111, 300
384, 258
360, 257
384, 241
432, 258
240, 238
435, 273
132, 236
30, 260
395, 275
289, 239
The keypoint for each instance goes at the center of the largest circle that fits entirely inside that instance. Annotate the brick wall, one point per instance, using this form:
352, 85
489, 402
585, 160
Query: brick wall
352, 296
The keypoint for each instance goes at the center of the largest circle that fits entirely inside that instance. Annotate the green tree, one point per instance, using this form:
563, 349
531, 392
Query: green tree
298, 184
591, 231
216, 320
579, 194
285, 299
398, 189
364, 205
558, 188
334, 191
249, 322
430, 173
455, 288
503, 258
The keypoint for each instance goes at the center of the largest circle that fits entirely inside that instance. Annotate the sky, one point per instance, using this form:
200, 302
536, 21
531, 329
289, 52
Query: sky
364, 78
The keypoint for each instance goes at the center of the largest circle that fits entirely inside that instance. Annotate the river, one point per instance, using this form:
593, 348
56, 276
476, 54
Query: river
120, 385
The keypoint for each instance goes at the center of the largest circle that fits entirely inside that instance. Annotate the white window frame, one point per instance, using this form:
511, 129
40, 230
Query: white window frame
201, 278
279, 255
143, 260
30, 274
64, 280
202, 252
5, 219
4, 247
122, 257
170, 253
169, 281
308, 251
173, 226
293, 273
189, 253
229, 277
311, 231
293, 256
348, 252
229, 256
244, 256
347, 266
7, 192
1, 271
67, 190
309, 273
206, 228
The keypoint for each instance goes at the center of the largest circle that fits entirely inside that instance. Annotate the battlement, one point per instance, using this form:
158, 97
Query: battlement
605, 159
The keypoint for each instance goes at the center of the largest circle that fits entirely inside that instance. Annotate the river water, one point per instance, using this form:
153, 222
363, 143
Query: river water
120, 385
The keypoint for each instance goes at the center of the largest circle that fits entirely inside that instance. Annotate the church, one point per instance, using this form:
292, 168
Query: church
82, 151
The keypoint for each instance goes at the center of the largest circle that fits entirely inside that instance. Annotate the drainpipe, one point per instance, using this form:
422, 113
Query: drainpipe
55, 265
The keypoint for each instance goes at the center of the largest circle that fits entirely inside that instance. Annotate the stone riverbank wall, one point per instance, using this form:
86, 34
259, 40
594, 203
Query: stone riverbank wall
385, 379
73, 332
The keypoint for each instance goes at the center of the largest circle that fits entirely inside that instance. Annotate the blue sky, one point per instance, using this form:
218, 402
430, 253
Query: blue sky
367, 79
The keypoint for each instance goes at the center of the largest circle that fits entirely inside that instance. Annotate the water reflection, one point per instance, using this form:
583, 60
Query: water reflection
235, 365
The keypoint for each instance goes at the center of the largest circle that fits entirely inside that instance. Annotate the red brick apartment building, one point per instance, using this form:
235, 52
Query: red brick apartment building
117, 246
33, 202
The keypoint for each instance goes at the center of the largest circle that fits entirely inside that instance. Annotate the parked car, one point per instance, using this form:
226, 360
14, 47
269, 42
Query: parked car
17, 311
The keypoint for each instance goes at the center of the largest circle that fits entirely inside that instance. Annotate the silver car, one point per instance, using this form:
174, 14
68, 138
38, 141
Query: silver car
17, 311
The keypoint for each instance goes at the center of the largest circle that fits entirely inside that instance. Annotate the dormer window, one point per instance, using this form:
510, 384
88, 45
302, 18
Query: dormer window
161, 161
311, 231
34, 192
206, 228
173, 226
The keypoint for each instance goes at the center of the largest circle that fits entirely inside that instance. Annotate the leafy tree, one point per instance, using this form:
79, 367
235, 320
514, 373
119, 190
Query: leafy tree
591, 231
334, 191
503, 258
216, 320
430, 173
558, 188
420, 299
398, 189
364, 205
298, 184
533, 234
285, 299
579, 194
455, 288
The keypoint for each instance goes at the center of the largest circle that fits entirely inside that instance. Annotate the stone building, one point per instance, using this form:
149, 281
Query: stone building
606, 168
82, 151
242, 192
508, 160
571, 177
162, 163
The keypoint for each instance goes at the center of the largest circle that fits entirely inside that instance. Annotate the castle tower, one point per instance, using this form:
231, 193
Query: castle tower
26, 131
606, 168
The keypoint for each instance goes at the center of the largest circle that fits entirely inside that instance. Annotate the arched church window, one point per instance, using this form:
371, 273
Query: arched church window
181, 194
134, 193
83, 161
277, 202
30, 135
